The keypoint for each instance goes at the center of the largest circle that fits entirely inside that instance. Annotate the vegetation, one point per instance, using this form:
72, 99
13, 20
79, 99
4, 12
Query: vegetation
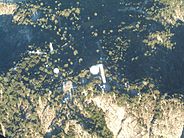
139, 43
97, 116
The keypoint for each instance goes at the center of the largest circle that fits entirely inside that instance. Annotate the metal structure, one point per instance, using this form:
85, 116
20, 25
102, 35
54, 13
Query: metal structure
67, 89
99, 70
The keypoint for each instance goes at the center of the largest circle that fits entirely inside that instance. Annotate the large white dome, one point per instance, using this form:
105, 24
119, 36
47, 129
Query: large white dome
94, 70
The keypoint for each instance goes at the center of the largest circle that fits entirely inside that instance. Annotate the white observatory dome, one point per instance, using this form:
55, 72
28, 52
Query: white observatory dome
94, 70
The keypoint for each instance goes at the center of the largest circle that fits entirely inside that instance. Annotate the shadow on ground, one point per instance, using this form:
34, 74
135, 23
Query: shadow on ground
14, 41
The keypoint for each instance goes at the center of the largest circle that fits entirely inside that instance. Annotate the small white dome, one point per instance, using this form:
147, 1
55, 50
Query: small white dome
94, 70
56, 70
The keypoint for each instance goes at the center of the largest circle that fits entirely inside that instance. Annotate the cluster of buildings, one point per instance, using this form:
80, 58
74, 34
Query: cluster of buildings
96, 70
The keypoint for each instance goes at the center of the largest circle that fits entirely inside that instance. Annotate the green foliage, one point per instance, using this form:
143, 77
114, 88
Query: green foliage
81, 34
160, 38
169, 12
97, 116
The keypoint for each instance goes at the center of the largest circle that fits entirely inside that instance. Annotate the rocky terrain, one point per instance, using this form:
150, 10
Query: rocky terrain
126, 123
7, 9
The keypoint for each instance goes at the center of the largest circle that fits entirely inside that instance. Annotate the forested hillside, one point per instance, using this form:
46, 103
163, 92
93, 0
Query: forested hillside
140, 44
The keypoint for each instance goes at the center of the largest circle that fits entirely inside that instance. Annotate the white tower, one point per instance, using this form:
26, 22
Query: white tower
51, 47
